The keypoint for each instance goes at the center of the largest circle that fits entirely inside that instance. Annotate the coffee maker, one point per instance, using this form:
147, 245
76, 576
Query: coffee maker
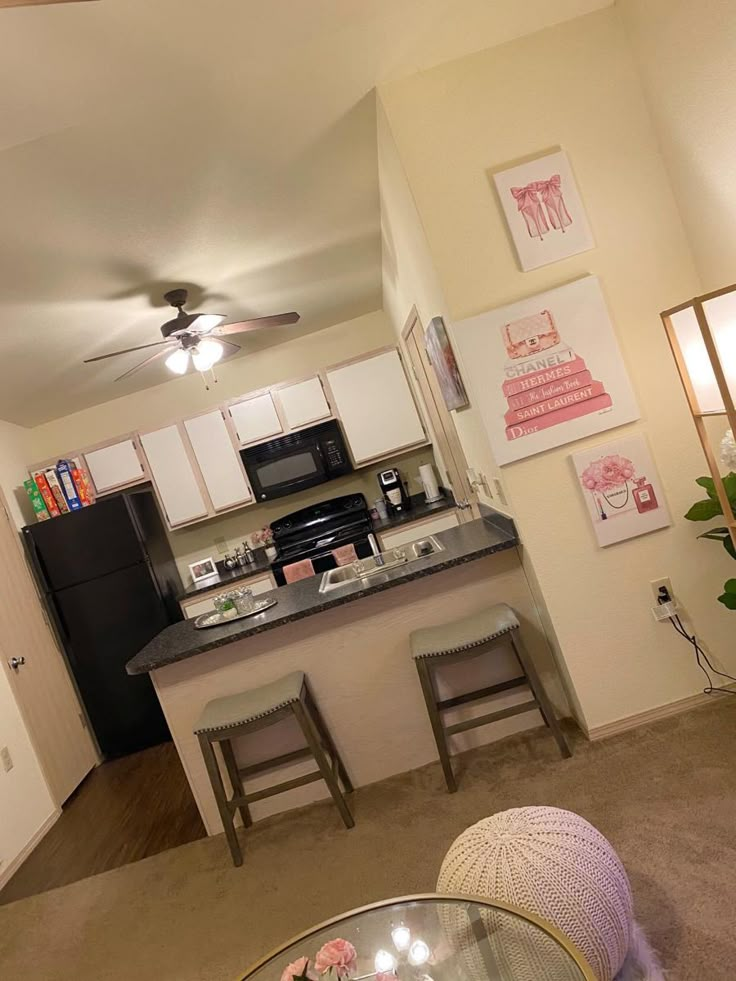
394, 493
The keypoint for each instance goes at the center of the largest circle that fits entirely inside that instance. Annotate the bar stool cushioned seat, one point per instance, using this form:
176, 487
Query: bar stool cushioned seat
465, 633
247, 706
233, 716
494, 627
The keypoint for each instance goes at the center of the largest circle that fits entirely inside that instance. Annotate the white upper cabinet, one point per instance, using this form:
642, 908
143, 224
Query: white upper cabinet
376, 406
256, 419
174, 476
115, 466
303, 403
218, 461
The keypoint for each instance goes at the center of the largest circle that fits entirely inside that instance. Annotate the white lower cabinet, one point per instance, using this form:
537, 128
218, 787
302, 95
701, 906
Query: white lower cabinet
218, 461
418, 529
174, 476
196, 606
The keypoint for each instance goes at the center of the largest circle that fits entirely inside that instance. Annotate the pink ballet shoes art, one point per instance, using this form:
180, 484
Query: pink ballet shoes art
543, 210
542, 205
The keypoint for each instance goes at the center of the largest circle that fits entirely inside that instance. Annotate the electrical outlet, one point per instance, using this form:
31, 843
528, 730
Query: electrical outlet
7, 759
656, 583
500, 492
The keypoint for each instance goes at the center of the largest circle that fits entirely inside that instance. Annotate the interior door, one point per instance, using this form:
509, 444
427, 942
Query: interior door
41, 686
440, 419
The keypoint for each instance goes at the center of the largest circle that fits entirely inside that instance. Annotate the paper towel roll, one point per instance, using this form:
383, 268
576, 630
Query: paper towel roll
429, 482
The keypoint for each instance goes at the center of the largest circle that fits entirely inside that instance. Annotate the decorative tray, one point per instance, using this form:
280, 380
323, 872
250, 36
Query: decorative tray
218, 619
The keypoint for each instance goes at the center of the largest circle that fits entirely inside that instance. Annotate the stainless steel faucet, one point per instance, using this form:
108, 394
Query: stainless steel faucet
377, 555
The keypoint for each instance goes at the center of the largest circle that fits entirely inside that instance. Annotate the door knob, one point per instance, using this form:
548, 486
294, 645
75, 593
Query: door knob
16, 662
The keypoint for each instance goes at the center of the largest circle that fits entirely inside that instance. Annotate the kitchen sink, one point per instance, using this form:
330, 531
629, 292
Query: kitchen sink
365, 569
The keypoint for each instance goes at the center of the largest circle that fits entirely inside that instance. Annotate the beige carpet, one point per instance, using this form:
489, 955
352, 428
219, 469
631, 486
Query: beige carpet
665, 795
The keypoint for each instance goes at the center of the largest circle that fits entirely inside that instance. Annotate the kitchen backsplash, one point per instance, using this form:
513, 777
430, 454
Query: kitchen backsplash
198, 541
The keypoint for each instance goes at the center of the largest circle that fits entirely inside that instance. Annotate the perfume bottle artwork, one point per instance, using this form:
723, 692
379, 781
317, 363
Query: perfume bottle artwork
644, 496
621, 502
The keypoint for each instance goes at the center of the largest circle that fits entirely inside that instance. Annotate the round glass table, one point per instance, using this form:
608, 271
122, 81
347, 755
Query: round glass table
428, 938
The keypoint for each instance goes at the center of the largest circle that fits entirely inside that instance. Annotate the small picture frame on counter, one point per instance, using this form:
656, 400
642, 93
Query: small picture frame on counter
202, 569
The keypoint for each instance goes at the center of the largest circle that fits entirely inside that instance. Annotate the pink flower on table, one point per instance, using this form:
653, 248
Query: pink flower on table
298, 969
337, 954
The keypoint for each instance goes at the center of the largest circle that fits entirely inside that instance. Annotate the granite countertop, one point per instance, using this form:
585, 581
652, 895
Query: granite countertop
227, 577
418, 509
466, 543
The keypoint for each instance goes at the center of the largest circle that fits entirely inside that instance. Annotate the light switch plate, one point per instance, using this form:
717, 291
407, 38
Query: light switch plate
221, 545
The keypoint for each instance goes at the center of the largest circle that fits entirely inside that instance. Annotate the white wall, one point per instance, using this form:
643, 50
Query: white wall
577, 86
685, 51
25, 802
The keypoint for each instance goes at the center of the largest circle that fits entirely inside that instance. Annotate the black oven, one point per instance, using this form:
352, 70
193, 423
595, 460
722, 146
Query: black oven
292, 463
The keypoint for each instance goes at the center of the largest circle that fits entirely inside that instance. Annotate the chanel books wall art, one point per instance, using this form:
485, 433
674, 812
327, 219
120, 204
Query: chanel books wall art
551, 370
543, 210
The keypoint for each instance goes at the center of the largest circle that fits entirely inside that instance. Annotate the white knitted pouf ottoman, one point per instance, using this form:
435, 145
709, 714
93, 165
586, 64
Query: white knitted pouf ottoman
555, 864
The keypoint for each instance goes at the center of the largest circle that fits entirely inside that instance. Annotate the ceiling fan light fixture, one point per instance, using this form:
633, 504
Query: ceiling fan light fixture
178, 361
206, 354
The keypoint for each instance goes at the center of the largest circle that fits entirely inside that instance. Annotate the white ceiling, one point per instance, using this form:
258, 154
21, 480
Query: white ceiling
228, 144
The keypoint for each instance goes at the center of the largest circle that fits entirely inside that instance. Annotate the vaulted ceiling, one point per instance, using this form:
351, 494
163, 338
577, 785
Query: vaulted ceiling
225, 144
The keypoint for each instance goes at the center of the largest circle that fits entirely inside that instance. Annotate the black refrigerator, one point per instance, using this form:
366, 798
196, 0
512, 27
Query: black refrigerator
110, 585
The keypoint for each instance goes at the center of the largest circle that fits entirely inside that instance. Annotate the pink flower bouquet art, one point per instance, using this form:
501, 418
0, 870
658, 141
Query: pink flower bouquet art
607, 479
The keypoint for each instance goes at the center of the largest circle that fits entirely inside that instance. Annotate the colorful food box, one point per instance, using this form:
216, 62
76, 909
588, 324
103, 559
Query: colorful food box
45, 491
64, 469
39, 505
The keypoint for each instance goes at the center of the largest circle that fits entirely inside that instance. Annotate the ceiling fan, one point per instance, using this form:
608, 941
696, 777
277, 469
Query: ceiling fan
191, 337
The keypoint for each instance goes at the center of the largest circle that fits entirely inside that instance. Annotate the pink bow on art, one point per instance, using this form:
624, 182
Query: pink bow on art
551, 192
530, 207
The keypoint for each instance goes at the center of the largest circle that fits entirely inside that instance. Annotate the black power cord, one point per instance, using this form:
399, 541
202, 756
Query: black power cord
663, 596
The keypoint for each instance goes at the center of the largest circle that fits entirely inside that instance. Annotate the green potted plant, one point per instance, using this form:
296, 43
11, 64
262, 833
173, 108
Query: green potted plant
707, 510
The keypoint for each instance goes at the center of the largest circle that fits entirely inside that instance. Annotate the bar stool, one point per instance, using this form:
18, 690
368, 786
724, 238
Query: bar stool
478, 633
223, 719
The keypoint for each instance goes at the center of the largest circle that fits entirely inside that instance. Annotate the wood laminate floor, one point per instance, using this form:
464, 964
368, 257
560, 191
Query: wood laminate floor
125, 810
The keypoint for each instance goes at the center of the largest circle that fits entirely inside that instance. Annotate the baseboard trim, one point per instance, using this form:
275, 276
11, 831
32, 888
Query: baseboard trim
9, 871
651, 715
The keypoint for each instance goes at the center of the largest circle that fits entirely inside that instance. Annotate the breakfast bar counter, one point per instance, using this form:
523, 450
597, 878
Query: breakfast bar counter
353, 644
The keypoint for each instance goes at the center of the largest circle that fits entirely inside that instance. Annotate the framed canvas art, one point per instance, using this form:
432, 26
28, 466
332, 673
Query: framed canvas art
622, 490
544, 211
439, 350
546, 371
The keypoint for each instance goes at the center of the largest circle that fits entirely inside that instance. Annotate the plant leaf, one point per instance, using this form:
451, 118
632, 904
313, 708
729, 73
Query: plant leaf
729, 482
730, 586
709, 485
704, 510
714, 533
728, 600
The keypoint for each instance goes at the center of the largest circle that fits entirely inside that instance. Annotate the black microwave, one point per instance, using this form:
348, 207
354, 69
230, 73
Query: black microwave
297, 461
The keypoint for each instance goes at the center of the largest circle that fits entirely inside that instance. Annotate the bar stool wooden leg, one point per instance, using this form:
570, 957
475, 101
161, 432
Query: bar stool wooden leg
440, 738
218, 788
535, 683
312, 736
328, 741
236, 780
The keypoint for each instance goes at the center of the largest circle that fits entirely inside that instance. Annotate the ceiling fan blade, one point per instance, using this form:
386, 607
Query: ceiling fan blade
234, 348
127, 350
149, 360
244, 326
34, 3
